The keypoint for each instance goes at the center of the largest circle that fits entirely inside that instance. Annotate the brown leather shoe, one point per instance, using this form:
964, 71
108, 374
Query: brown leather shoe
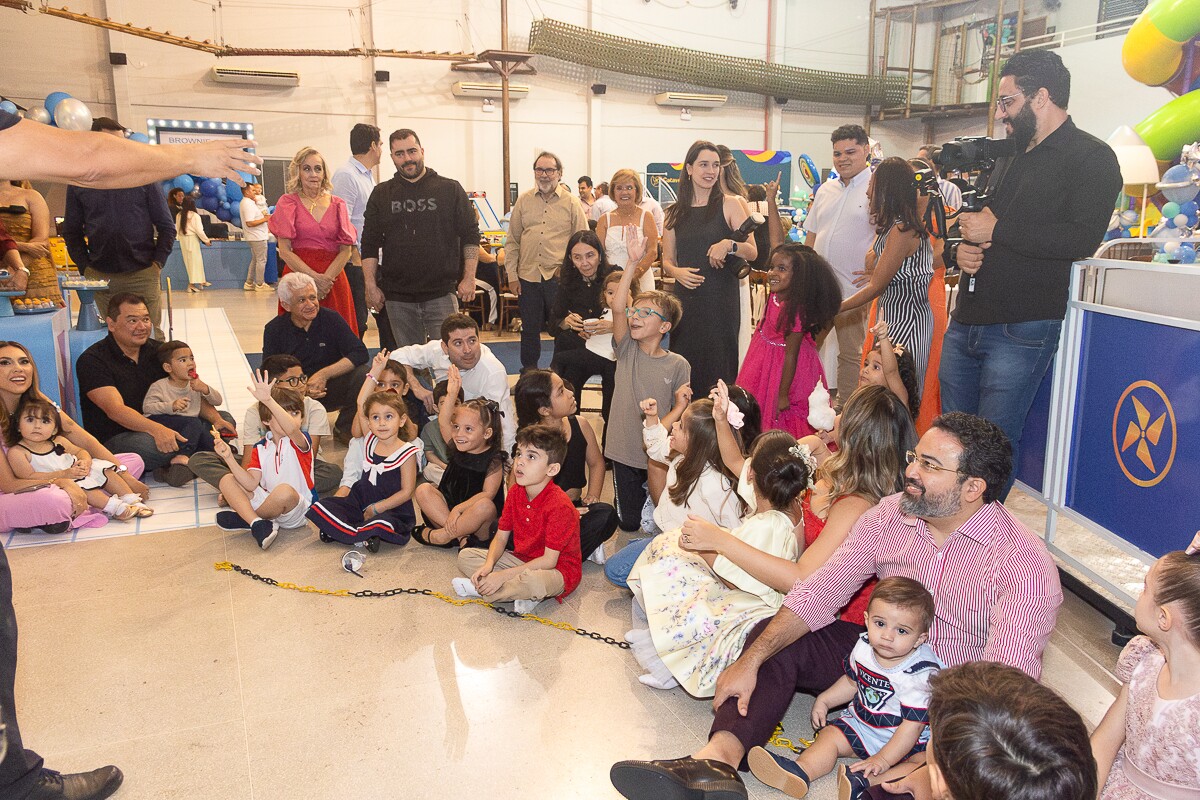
677, 779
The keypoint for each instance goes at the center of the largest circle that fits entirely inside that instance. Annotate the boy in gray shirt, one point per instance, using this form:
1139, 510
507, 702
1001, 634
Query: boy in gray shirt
182, 395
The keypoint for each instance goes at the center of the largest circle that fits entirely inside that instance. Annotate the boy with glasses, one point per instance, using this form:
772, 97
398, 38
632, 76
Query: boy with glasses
645, 369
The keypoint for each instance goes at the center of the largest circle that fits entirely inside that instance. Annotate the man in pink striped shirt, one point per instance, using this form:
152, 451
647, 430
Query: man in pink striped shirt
995, 587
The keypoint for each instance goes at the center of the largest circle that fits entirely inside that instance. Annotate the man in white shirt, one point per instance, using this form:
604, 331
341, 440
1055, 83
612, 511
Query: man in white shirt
602, 203
254, 234
482, 373
354, 182
839, 228
656, 210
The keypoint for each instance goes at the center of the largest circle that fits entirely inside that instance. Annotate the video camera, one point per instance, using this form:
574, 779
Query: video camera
972, 154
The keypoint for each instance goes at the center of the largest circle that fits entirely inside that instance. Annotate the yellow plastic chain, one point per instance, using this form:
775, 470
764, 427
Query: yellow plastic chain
777, 740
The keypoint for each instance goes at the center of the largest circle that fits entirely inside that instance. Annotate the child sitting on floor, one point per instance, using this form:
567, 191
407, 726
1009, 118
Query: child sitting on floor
276, 488
38, 452
437, 454
181, 397
463, 509
384, 376
887, 678
544, 525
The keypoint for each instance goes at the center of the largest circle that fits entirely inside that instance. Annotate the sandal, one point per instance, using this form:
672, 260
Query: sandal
418, 533
142, 510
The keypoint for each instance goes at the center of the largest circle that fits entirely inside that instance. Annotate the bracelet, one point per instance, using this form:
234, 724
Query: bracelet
373, 378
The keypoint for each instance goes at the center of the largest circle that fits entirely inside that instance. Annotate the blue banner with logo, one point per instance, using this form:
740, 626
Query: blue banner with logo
1134, 466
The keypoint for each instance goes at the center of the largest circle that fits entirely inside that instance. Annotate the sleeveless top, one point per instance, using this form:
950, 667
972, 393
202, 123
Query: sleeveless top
620, 239
573, 474
813, 525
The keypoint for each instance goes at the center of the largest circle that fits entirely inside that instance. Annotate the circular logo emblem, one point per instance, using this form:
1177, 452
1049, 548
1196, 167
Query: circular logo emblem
1143, 433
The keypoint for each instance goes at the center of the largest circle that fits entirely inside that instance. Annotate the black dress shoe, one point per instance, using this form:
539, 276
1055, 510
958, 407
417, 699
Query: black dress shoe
95, 785
678, 779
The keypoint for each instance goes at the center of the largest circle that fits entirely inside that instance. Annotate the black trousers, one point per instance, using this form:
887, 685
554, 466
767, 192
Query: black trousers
596, 527
358, 292
576, 366
341, 395
629, 492
20, 769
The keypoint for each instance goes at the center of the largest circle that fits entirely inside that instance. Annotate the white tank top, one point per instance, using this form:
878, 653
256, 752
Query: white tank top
617, 241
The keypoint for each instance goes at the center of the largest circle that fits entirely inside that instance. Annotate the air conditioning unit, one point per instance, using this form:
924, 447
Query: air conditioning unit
488, 90
254, 77
690, 100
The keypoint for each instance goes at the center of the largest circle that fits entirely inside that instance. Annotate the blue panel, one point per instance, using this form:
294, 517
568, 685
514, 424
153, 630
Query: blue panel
1135, 444
1031, 460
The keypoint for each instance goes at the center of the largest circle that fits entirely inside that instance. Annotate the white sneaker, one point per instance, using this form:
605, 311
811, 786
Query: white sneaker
654, 683
248, 286
263, 287
525, 606
464, 588
598, 556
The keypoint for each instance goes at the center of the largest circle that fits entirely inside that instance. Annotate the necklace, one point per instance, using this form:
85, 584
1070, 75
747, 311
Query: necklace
313, 205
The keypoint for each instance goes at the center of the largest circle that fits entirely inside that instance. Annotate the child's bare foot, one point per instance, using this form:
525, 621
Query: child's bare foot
221, 501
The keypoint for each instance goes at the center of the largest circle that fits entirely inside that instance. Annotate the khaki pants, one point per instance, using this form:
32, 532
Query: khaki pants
532, 584
851, 330
145, 282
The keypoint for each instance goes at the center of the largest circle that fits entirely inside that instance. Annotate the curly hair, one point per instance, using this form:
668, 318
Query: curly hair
813, 295
986, 452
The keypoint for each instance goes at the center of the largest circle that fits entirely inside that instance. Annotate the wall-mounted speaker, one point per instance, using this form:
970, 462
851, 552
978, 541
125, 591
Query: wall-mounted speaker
599, 88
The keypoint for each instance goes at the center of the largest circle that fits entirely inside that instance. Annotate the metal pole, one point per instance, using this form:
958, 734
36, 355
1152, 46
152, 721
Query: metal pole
912, 55
870, 64
991, 117
504, 109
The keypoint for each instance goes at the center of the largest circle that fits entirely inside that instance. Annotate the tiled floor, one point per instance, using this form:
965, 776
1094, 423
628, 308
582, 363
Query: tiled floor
206, 684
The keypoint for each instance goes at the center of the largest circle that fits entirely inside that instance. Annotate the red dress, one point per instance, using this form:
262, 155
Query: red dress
317, 244
855, 611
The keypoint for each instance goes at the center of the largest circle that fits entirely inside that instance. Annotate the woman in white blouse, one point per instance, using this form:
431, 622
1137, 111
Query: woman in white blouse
191, 234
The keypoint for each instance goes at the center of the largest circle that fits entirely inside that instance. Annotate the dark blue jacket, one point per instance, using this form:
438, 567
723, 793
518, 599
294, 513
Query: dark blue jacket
118, 230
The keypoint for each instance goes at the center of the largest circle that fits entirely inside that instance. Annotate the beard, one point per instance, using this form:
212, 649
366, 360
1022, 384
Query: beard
930, 506
1024, 126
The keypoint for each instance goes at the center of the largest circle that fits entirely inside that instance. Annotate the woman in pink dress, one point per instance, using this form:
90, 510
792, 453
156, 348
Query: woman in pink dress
782, 364
314, 232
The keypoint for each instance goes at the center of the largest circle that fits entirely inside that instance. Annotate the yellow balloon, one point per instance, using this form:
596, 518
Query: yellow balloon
1148, 55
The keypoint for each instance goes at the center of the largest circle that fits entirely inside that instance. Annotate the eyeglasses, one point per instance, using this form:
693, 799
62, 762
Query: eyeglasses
1003, 100
925, 465
642, 313
294, 381
545, 170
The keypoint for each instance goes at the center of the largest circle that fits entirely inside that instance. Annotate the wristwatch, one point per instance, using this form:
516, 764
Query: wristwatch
733, 250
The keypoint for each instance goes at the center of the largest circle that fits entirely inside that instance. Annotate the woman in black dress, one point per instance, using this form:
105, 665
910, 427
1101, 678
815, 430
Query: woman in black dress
696, 240
578, 314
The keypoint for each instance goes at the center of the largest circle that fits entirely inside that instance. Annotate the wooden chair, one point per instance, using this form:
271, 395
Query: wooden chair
508, 310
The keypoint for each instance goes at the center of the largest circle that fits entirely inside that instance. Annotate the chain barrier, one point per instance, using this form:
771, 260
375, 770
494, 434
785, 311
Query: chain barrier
778, 740
454, 601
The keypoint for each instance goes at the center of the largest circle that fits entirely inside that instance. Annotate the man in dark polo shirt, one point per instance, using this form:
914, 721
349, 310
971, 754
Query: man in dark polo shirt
1050, 209
114, 375
332, 356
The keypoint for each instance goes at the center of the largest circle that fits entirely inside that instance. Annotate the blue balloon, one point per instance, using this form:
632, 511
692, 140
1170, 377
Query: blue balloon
221, 193
233, 192
1186, 254
224, 204
1178, 174
1191, 208
186, 183
271, 210
247, 177
139, 137
9, 106
208, 203
209, 187
52, 101
224, 215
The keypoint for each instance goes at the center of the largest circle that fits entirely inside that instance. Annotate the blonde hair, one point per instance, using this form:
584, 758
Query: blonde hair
293, 174
630, 176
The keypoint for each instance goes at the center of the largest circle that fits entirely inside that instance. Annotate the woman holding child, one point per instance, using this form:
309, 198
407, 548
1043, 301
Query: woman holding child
706, 589
61, 505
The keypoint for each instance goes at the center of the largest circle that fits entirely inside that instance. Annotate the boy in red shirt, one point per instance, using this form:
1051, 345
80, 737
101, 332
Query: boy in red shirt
545, 560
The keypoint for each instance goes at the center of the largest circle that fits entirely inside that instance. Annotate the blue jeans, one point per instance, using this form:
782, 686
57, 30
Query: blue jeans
993, 371
617, 568
534, 304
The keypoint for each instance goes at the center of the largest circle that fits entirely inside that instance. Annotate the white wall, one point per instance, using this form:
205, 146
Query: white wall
593, 135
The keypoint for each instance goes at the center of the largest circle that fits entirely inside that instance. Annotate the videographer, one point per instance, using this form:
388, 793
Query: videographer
1051, 208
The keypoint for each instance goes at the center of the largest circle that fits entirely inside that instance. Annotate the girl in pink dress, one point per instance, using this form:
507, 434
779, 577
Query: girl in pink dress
782, 365
1148, 744
314, 232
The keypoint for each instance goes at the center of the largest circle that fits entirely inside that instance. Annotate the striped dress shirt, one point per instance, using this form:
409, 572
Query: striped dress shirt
994, 584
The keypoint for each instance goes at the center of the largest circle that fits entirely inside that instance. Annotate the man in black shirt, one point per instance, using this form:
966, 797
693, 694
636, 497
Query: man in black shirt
331, 355
427, 229
1050, 209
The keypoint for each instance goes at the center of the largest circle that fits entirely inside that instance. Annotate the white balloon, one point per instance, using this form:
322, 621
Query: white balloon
38, 114
1181, 220
1171, 247
73, 115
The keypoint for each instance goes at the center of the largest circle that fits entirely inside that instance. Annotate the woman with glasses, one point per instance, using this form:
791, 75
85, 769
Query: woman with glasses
315, 235
696, 240
900, 263
578, 314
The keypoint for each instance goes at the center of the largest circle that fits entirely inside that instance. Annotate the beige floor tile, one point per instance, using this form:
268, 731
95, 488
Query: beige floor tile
206, 762
125, 665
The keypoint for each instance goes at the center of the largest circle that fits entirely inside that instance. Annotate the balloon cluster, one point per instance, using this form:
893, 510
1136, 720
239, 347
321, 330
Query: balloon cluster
215, 196
1180, 213
59, 109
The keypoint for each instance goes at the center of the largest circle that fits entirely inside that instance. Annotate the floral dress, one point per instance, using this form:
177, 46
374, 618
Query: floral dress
697, 622
1161, 754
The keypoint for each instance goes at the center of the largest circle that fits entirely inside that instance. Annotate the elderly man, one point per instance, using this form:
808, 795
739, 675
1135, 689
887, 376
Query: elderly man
1050, 209
114, 375
995, 586
482, 373
332, 356
122, 236
426, 227
542, 221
